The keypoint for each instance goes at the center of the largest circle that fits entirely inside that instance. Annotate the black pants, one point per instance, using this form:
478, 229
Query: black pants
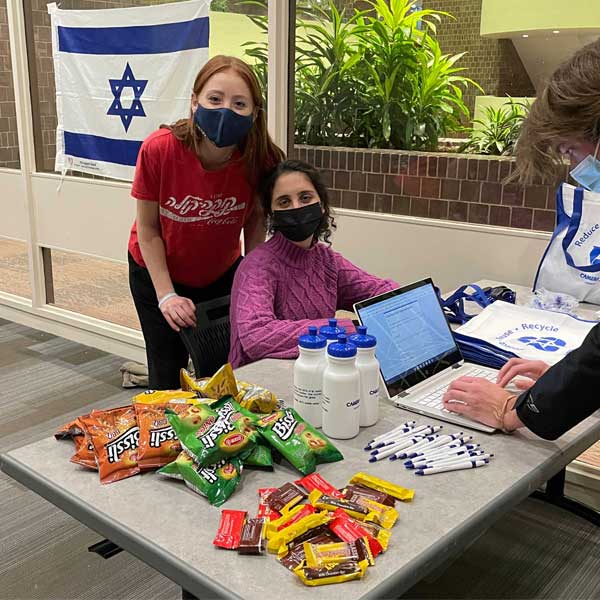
165, 351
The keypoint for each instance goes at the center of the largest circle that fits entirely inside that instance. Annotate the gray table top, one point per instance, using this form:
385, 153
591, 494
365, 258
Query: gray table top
172, 528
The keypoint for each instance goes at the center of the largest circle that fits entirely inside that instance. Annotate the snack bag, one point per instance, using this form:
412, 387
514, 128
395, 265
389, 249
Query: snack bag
216, 482
69, 430
221, 384
84, 452
298, 441
256, 398
189, 383
259, 458
164, 396
223, 432
158, 443
115, 436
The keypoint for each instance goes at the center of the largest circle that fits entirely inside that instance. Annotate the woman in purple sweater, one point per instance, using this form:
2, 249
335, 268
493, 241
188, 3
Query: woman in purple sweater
293, 280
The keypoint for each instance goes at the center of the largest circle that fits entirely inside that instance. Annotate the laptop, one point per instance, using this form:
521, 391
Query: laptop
417, 352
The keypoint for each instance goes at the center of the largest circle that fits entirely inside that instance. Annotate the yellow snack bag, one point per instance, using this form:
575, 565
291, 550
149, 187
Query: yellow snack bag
397, 491
289, 534
165, 396
339, 573
256, 398
221, 384
188, 383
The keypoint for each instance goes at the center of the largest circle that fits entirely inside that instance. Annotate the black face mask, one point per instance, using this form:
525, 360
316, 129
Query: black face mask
298, 224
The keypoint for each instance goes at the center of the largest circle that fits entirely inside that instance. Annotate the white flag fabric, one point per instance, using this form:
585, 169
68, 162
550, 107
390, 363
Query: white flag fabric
120, 73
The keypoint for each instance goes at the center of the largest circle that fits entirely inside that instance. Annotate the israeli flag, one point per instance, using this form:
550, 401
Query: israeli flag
120, 73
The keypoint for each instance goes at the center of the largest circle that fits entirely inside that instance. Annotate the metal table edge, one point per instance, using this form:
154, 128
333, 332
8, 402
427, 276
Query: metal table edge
164, 562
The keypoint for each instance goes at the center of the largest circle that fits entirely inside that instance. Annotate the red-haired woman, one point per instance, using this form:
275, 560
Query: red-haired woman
195, 186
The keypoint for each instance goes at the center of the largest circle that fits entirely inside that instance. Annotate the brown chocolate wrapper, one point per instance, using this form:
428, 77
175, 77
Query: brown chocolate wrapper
285, 497
252, 540
353, 492
345, 568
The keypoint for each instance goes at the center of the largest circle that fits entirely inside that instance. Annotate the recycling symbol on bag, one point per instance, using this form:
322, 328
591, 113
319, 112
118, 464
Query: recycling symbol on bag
545, 344
595, 255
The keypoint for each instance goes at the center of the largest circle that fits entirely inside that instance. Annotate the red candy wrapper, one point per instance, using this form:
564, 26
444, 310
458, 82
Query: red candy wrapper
303, 512
264, 510
348, 530
230, 529
315, 482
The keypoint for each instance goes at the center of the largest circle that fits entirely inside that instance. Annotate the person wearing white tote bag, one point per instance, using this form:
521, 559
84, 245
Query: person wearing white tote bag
564, 122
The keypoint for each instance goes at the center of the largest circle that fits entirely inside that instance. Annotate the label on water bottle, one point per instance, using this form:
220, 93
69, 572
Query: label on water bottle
307, 396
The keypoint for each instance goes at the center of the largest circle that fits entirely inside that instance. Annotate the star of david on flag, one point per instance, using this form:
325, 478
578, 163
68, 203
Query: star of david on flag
135, 109
119, 74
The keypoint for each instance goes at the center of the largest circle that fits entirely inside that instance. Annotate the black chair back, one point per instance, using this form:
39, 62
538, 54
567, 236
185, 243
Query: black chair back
208, 342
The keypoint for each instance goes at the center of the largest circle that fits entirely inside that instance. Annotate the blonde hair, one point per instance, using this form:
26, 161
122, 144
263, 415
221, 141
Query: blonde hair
568, 106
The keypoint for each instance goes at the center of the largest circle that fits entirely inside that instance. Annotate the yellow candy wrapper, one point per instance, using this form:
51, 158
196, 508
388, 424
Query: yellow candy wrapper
334, 553
289, 534
166, 396
404, 494
381, 514
272, 526
339, 573
330, 503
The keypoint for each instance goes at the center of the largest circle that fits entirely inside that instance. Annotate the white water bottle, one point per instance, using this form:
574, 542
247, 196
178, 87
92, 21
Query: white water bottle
330, 332
368, 367
341, 391
308, 376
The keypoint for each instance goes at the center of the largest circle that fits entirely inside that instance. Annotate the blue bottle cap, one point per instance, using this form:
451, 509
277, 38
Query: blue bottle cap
342, 348
361, 340
332, 330
312, 341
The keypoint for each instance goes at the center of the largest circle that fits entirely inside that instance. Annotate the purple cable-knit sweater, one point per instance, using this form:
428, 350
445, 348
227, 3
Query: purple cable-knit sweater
279, 289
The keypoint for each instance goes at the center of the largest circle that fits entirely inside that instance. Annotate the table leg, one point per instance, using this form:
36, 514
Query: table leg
185, 595
105, 548
555, 494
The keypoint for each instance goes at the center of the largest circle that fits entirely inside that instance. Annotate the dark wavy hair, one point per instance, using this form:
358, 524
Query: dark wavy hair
327, 224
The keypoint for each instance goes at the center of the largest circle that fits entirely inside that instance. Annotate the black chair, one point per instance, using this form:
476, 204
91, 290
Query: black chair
208, 342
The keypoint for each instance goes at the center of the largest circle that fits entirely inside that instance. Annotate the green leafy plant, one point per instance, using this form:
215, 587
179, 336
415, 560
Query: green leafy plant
374, 78
498, 132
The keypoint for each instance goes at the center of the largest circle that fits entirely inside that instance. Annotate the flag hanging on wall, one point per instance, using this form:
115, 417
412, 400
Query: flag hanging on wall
120, 73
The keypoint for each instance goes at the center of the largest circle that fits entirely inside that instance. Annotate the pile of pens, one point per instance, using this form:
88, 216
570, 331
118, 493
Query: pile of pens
426, 451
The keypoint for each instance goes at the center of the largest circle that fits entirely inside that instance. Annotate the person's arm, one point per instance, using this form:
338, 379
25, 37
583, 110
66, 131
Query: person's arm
178, 311
355, 284
261, 334
566, 394
254, 227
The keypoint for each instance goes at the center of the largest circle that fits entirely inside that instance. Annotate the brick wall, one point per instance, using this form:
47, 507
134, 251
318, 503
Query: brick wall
9, 143
494, 64
452, 187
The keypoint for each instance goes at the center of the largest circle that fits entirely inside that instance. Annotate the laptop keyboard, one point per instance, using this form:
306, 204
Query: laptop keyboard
434, 398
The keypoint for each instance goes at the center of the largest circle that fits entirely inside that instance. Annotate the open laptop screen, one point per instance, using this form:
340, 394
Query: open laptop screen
414, 340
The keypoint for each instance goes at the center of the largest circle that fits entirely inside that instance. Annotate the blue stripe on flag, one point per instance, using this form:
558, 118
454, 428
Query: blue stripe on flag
139, 39
94, 147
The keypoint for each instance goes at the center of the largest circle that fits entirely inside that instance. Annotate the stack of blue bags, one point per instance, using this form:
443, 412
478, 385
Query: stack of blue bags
482, 353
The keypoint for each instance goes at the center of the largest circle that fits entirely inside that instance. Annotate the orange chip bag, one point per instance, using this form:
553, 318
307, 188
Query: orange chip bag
69, 430
158, 444
115, 437
84, 451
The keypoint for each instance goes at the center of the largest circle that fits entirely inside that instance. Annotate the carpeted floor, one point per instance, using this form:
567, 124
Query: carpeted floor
536, 551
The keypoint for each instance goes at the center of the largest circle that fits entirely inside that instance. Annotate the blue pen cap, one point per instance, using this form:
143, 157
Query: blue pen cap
363, 340
312, 340
342, 348
332, 330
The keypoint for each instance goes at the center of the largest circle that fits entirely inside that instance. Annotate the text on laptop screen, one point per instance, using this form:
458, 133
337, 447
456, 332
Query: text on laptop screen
411, 331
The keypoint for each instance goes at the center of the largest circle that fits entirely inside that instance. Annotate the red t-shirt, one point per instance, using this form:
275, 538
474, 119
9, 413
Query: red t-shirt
201, 212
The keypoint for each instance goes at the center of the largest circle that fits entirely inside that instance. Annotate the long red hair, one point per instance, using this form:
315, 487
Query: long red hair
259, 152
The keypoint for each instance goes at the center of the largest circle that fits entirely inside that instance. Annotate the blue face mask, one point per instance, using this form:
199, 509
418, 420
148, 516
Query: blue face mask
587, 172
222, 126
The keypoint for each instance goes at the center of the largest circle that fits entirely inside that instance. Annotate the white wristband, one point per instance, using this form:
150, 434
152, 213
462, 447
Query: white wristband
166, 297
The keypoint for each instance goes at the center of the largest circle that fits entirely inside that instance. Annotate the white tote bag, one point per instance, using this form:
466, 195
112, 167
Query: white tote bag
530, 333
571, 263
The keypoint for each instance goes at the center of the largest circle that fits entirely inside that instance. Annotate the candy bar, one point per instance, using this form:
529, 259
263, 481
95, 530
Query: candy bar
285, 498
404, 494
230, 529
353, 492
295, 556
320, 500
252, 541
264, 510
336, 574
289, 534
333, 553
